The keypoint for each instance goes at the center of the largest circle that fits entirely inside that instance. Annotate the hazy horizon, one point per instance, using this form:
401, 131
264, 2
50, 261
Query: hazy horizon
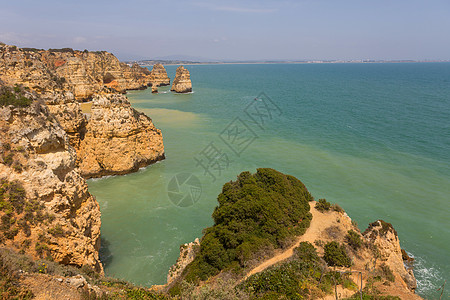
233, 30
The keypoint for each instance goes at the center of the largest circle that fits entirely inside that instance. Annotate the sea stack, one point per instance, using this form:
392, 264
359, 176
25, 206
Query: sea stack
182, 82
158, 76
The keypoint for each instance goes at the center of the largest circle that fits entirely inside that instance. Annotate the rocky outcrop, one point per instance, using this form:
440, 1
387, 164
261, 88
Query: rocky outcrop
118, 139
64, 107
377, 256
158, 76
182, 82
384, 237
187, 255
46, 207
83, 73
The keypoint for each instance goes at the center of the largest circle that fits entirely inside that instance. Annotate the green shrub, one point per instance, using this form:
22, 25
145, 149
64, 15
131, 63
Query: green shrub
299, 277
306, 251
385, 227
323, 205
8, 159
335, 255
13, 96
41, 249
18, 167
337, 208
256, 213
12, 196
9, 284
353, 239
386, 272
143, 294
57, 231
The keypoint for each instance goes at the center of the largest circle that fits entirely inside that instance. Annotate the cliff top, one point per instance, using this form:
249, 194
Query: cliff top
327, 253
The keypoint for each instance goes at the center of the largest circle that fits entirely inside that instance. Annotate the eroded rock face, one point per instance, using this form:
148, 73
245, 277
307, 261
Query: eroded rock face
385, 238
118, 139
55, 215
115, 140
64, 107
159, 76
83, 73
187, 255
182, 82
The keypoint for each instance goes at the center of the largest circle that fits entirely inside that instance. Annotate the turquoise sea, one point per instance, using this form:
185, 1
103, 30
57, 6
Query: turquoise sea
374, 138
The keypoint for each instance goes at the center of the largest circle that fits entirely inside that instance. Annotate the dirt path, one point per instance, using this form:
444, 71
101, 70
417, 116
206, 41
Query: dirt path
318, 223
329, 226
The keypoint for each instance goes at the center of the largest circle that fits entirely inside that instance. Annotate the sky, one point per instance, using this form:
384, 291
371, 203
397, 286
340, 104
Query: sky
234, 30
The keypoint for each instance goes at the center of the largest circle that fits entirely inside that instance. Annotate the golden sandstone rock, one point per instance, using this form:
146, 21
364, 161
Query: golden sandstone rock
54, 214
182, 82
118, 139
48, 147
158, 76
83, 73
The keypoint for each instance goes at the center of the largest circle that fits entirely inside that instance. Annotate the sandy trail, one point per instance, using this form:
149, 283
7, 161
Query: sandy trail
318, 223
318, 231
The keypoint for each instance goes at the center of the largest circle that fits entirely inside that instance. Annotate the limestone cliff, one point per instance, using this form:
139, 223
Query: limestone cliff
182, 82
118, 139
159, 76
46, 209
83, 73
385, 239
187, 255
64, 107
376, 260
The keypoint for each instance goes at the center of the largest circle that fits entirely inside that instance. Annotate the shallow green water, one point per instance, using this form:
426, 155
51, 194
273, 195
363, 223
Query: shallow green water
374, 138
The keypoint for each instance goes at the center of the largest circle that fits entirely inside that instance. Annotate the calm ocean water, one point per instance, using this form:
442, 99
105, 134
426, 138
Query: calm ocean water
374, 138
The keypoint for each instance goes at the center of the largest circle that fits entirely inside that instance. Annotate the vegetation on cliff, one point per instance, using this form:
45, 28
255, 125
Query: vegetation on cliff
21, 277
256, 214
304, 275
14, 96
83, 73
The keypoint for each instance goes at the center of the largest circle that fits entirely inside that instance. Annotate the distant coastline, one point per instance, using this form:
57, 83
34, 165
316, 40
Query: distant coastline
148, 63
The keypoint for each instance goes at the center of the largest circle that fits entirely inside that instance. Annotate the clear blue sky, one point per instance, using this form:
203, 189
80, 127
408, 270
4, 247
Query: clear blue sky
260, 29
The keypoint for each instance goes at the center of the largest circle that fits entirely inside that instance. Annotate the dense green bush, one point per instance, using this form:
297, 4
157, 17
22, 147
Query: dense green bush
13, 96
353, 239
335, 255
323, 205
256, 213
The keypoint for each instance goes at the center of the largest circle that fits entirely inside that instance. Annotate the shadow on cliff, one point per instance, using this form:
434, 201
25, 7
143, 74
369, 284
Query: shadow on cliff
105, 254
